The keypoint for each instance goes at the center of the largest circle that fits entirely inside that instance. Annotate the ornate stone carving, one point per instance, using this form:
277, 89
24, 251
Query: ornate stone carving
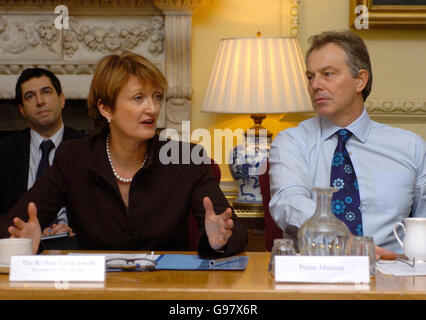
47, 34
396, 106
110, 26
58, 68
290, 17
178, 110
382, 110
109, 39
397, 110
15, 36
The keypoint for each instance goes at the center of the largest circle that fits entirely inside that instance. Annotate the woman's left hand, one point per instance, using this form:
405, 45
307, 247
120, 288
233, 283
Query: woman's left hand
218, 227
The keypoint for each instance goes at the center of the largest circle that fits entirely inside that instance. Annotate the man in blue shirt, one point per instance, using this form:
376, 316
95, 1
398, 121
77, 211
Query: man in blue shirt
389, 162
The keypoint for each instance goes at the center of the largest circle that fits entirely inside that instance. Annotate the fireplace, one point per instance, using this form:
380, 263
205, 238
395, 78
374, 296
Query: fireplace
69, 37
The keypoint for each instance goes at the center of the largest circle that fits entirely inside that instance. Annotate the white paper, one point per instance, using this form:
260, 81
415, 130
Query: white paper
88, 268
399, 268
322, 269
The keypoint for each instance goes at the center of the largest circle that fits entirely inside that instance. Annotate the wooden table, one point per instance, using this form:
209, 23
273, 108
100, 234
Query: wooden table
252, 284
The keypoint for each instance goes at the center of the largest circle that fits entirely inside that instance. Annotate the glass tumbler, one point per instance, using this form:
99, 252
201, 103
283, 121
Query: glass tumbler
363, 246
281, 247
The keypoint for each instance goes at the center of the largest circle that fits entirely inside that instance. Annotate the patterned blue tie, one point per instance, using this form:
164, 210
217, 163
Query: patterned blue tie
346, 202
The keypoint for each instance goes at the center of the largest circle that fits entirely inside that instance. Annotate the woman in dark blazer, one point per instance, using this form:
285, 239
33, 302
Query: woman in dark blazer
121, 191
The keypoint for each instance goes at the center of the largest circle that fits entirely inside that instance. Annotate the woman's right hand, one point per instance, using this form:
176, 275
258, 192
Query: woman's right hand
30, 229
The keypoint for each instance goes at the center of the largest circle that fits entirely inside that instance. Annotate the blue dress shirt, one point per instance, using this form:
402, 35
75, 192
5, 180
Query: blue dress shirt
389, 163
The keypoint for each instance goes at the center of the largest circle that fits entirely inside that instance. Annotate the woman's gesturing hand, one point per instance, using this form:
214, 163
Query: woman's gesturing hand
218, 227
30, 229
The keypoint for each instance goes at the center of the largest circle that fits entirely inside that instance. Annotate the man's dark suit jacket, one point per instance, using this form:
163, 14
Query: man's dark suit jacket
14, 165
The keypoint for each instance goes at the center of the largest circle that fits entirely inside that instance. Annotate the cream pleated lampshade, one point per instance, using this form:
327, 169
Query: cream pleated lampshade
258, 75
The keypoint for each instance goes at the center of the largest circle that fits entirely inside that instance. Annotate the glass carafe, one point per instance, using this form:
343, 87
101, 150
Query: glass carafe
323, 234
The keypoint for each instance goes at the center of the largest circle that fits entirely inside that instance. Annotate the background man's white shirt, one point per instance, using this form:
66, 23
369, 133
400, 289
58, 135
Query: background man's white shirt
35, 157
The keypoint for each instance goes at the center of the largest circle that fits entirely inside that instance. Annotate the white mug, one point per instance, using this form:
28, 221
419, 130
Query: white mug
414, 245
14, 247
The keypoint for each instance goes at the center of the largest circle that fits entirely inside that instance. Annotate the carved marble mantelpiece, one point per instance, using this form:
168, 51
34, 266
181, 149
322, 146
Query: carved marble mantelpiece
32, 34
381, 110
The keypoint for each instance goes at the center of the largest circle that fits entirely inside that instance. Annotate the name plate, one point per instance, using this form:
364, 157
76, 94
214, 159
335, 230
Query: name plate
322, 269
57, 268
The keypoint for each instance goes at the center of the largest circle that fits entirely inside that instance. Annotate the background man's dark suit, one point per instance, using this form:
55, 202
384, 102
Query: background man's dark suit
14, 165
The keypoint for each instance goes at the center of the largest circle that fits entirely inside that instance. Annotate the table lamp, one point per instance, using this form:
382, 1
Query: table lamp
256, 76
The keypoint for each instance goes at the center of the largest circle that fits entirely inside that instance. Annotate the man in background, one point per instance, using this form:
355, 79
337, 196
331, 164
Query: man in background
26, 154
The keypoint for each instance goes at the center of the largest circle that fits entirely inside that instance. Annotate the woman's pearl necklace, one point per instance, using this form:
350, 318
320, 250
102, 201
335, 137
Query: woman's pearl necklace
112, 167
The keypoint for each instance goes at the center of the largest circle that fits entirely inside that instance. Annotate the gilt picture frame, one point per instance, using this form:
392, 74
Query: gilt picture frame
390, 13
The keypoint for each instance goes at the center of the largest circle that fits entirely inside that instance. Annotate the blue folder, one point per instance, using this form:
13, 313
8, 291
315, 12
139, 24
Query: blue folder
193, 262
